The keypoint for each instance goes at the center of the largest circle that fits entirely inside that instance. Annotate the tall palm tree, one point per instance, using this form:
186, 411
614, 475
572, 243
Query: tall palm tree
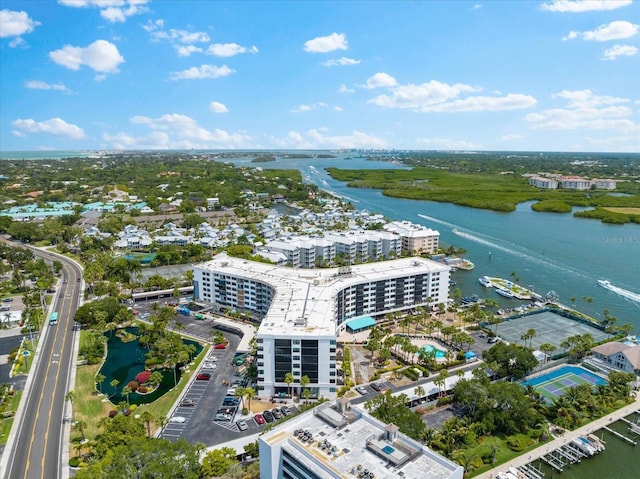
70, 396
249, 394
147, 417
289, 378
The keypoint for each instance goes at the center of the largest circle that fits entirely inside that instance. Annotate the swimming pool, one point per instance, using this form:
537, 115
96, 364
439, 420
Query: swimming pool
439, 352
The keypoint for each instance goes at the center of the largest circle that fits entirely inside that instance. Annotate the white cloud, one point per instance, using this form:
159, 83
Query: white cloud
584, 110
187, 50
101, 56
345, 89
317, 139
175, 131
54, 126
380, 80
41, 85
617, 30
17, 42
436, 96
305, 108
586, 99
477, 6
217, 107
13, 24
202, 72
114, 11
19, 134
577, 6
341, 62
449, 144
180, 36
229, 49
335, 41
620, 51
338, 108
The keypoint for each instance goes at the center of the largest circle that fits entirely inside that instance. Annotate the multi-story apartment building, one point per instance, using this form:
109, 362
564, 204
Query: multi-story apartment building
335, 440
302, 311
416, 239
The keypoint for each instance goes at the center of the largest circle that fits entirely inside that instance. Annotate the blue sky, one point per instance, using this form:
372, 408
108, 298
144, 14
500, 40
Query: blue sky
552, 75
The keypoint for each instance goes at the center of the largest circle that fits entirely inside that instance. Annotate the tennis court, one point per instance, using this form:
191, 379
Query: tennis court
549, 326
554, 383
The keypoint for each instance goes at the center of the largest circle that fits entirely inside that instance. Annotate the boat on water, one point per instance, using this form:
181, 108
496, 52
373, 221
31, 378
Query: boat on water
505, 292
485, 281
605, 283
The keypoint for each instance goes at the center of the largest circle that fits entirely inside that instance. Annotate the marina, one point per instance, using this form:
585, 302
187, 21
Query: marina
569, 452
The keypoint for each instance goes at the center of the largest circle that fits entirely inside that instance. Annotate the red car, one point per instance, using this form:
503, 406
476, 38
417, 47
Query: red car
259, 419
220, 346
203, 376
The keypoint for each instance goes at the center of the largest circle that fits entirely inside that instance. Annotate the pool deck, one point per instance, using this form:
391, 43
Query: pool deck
565, 438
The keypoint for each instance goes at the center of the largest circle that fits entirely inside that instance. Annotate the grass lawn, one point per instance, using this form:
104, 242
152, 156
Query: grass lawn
5, 424
503, 453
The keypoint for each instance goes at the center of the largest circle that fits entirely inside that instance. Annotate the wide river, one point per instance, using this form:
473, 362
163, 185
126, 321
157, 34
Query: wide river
546, 251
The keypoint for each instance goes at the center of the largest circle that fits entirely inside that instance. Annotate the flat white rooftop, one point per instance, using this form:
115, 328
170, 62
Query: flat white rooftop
353, 445
304, 298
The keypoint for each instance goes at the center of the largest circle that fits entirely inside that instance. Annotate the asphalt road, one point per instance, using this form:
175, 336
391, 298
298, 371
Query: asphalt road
37, 450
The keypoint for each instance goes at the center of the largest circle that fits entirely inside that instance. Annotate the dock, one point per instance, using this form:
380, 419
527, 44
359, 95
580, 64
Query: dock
543, 452
621, 436
531, 472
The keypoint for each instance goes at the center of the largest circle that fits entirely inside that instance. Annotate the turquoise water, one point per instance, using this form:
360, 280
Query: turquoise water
439, 353
547, 251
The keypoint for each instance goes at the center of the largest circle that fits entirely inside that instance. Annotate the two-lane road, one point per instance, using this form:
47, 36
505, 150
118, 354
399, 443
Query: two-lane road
37, 449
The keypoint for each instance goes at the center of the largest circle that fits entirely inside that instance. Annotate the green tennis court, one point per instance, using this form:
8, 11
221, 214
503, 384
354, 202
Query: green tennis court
555, 383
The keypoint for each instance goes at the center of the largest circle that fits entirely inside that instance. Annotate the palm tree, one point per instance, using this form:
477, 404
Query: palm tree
304, 382
440, 381
249, 394
240, 394
114, 384
147, 417
289, 378
99, 378
126, 391
80, 426
419, 391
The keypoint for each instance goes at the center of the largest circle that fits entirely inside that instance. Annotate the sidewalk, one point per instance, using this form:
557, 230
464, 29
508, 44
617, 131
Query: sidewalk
544, 449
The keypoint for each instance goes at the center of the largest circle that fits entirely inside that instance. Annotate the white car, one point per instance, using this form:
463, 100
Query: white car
362, 390
242, 425
178, 419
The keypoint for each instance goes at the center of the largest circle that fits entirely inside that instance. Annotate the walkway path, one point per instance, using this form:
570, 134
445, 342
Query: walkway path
568, 436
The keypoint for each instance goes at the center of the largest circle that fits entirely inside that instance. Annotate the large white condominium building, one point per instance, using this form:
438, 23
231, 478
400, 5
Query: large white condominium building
337, 441
302, 311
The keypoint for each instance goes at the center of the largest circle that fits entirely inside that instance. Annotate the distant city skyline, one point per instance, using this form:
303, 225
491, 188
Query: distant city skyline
550, 75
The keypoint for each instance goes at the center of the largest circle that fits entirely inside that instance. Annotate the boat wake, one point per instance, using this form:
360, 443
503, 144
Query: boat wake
509, 248
620, 291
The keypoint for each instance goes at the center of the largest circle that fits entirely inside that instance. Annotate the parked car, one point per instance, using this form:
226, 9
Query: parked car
203, 376
259, 418
276, 413
268, 416
242, 425
375, 387
188, 403
223, 417
7, 300
231, 392
286, 410
220, 346
493, 339
230, 401
362, 390
227, 410
178, 419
